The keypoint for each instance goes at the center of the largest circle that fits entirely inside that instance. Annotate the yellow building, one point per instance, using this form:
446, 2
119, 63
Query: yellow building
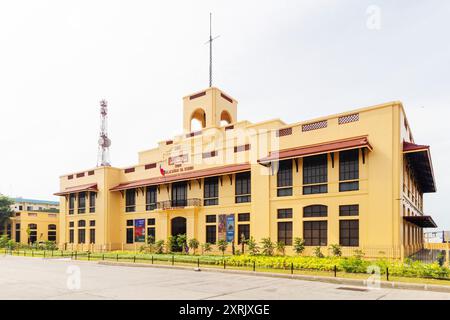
356, 179
33, 221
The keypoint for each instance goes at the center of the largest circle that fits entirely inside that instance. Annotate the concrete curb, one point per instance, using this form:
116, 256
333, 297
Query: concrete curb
343, 281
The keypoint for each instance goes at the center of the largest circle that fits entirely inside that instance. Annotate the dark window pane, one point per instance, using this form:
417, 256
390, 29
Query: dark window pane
130, 200
285, 233
82, 202
211, 191
284, 213
151, 221
92, 223
348, 186
179, 194
284, 174
315, 211
150, 198
81, 236
71, 236
315, 169
92, 198
349, 210
81, 223
243, 187
130, 236
91, 235
244, 217
211, 234
315, 233
349, 233
151, 233
243, 231
284, 192
211, 218
321, 188
349, 165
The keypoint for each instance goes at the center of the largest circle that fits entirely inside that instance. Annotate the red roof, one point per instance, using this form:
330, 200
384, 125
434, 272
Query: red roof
183, 176
419, 157
82, 188
359, 142
411, 147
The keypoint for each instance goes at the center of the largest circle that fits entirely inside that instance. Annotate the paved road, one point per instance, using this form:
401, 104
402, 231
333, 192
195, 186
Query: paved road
36, 278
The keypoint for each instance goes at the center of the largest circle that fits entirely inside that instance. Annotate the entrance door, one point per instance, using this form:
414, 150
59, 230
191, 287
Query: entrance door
179, 194
178, 227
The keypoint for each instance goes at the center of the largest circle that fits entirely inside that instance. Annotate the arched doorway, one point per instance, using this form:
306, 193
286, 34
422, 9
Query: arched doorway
178, 227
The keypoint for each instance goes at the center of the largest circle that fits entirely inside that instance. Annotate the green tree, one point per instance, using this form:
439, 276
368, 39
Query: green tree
318, 253
159, 246
206, 247
222, 245
336, 250
299, 245
252, 246
281, 247
193, 243
5, 209
267, 246
181, 241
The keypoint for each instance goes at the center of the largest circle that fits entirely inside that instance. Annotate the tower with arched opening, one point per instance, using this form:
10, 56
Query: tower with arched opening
209, 108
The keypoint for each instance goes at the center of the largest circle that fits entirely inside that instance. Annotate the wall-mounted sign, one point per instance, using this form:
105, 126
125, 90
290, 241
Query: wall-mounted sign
139, 230
222, 232
230, 228
182, 158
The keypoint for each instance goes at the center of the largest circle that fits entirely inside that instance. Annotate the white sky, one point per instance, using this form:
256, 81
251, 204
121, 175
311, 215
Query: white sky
289, 59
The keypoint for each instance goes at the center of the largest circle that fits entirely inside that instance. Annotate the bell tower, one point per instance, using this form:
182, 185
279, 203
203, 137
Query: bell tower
211, 108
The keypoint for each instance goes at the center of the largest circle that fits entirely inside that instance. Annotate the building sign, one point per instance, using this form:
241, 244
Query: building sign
182, 158
222, 234
230, 228
139, 230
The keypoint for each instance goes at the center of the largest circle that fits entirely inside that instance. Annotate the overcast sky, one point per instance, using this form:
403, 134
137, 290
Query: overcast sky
289, 59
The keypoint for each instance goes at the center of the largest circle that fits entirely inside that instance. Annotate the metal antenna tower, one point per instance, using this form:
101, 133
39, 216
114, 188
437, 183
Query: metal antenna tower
103, 142
210, 41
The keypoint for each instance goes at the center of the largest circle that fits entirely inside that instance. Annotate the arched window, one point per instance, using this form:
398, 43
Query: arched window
81, 223
315, 211
198, 120
225, 118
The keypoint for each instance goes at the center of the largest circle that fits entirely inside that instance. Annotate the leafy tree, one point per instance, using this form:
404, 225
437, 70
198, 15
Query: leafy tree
193, 243
206, 247
150, 240
181, 241
281, 247
243, 243
336, 250
222, 245
299, 245
5, 209
318, 253
252, 246
267, 246
159, 246
4, 241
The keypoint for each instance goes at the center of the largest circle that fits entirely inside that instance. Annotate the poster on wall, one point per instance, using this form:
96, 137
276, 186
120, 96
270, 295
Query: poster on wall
230, 228
139, 230
222, 234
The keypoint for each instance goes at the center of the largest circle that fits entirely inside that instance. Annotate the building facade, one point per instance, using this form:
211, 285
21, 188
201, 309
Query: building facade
355, 179
32, 221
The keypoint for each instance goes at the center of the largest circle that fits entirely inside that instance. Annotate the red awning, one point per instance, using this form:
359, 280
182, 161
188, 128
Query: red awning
197, 174
421, 221
82, 188
339, 145
419, 157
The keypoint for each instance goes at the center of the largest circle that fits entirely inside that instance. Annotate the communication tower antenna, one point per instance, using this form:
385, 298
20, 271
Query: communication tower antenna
103, 142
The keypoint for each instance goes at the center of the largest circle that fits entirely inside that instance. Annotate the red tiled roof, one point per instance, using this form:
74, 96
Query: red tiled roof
183, 176
419, 157
359, 142
85, 187
410, 147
